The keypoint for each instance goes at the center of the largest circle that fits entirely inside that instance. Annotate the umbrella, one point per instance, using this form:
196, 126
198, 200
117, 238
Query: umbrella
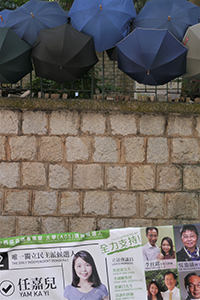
112, 53
27, 20
174, 15
107, 21
63, 54
192, 41
151, 56
15, 61
3, 16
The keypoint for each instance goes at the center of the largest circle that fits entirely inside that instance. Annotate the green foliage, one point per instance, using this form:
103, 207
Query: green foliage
82, 86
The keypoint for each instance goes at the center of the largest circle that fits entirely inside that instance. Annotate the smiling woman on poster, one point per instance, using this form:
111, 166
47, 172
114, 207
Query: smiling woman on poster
86, 284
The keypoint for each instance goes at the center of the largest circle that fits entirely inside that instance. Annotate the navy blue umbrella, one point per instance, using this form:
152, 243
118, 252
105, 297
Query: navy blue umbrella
3, 16
107, 21
174, 15
151, 56
27, 20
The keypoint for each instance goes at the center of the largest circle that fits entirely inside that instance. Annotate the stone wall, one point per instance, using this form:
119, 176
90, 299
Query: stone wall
91, 168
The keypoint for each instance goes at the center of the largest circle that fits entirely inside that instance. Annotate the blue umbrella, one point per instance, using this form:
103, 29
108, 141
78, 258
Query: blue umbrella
3, 16
174, 15
27, 20
151, 56
107, 21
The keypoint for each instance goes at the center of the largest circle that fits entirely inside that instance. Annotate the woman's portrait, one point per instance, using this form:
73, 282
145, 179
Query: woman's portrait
86, 284
167, 251
189, 238
153, 290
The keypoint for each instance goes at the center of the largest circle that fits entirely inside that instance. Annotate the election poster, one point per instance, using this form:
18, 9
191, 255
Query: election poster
119, 264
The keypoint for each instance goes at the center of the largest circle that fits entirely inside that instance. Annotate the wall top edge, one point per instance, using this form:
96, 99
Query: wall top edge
99, 106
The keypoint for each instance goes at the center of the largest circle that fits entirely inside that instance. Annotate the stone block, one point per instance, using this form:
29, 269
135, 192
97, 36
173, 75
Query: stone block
50, 149
64, 95
96, 203
169, 178
82, 225
46, 95
180, 126
53, 225
1, 202
142, 177
17, 202
25, 94
191, 177
28, 225
45, 203
55, 96
108, 223
2, 148
197, 100
106, 150
9, 175
124, 205
23, 148
88, 177
134, 149
70, 203
7, 226
59, 176
33, 174
152, 124
116, 177
167, 222
77, 149
9, 122
138, 223
185, 150
182, 206
157, 150
34, 122
198, 126
93, 123
62, 122
123, 124
152, 205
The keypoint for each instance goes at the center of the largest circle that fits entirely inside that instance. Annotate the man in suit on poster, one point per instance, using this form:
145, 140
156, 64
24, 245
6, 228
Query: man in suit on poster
172, 293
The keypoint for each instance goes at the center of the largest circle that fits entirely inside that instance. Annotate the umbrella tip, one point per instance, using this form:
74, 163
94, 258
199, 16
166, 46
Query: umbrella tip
148, 72
1, 18
168, 18
32, 15
100, 6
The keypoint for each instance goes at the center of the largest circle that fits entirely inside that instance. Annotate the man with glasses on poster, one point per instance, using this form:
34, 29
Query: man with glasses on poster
192, 285
189, 237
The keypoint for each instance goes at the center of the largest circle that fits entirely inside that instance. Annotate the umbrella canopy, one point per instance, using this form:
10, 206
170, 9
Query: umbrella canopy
151, 56
107, 21
174, 15
27, 20
3, 16
192, 41
63, 54
15, 61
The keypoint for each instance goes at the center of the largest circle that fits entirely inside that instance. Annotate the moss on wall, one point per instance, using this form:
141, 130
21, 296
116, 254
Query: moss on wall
98, 105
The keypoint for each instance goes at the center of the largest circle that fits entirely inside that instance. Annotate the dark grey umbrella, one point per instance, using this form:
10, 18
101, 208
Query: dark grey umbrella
15, 60
63, 54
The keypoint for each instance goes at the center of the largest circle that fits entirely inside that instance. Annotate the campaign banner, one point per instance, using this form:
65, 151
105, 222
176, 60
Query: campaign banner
119, 264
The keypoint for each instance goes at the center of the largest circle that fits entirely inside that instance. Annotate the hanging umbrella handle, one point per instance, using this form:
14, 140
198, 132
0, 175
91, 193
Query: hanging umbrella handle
186, 40
169, 18
100, 6
32, 15
1, 18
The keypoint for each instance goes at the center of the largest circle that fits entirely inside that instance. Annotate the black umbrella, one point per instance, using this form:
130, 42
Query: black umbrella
63, 54
15, 60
